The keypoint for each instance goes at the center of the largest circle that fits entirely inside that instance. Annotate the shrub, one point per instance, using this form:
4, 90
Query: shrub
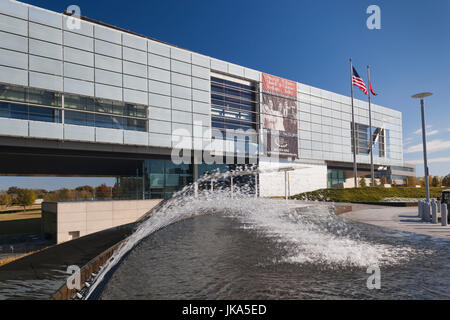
362, 182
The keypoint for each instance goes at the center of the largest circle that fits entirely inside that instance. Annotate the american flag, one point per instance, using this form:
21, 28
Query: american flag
358, 81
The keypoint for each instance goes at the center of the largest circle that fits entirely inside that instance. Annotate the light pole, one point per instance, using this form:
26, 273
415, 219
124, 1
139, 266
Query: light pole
421, 96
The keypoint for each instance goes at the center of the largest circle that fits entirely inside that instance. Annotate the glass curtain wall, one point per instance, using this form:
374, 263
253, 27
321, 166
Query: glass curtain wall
234, 107
160, 179
155, 179
335, 177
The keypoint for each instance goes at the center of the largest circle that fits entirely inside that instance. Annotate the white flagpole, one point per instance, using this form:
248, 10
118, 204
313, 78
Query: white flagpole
372, 170
355, 168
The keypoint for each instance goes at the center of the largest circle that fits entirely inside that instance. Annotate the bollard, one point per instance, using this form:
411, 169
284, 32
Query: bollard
419, 208
438, 203
426, 212
448, 215
444, 221
434, 217
424, 208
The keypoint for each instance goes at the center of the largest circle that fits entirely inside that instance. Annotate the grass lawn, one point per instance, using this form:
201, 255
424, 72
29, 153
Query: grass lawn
20, 223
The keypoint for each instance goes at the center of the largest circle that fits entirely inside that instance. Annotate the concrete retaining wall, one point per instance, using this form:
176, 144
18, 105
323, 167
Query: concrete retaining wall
70, 220
307, 176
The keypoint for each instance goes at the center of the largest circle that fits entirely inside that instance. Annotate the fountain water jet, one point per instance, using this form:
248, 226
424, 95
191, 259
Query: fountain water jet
311, 233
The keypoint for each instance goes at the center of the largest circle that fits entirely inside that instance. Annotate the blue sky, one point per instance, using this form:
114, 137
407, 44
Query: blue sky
311, 42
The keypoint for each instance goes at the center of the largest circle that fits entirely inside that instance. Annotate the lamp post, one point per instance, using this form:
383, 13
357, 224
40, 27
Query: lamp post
422, 96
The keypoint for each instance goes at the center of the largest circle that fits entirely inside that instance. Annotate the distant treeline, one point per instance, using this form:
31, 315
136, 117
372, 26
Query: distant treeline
15, 196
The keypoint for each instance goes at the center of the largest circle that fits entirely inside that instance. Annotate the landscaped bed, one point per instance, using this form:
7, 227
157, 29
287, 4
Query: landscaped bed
367, 194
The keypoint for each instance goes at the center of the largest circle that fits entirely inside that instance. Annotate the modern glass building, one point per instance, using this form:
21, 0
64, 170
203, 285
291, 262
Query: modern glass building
98, 90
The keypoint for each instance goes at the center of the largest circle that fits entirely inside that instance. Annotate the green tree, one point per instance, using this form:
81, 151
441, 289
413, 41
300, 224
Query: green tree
435, 182
362, 182
85, 188
25, 197
13, 190
5, 199
446, 181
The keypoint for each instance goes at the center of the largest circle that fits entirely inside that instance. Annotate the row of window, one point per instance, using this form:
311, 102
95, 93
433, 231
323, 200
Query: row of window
43, 105
104, 106
30, 95
27, 112
104, 121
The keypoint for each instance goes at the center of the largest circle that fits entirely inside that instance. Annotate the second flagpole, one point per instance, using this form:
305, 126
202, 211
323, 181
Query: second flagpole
355, 169
372, 170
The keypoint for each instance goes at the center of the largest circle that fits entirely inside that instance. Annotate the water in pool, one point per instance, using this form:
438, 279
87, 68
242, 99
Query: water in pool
223, 246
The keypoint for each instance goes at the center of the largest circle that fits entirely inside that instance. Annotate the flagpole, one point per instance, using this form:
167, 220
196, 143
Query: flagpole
355, 169
372, 170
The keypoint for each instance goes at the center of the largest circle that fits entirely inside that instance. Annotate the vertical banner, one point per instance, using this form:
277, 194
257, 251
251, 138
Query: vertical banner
279, 108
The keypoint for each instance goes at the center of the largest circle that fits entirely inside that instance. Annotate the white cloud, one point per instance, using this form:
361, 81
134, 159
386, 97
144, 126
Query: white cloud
419, 131
432, 133
435, 160
432, 146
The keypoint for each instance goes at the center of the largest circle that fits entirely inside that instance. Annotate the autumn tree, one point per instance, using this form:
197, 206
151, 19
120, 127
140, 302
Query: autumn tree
65, 194
103, 192
411, 181
5, 199
25, 197
383, 180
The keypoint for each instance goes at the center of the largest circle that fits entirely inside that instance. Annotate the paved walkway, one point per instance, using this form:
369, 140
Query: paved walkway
398, 218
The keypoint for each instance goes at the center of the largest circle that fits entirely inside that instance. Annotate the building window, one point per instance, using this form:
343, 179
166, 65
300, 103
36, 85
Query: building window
104, 113
380, 140
30, 104
155, 179
233, 103
27, 112
335, 177
234, 112
43, 105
